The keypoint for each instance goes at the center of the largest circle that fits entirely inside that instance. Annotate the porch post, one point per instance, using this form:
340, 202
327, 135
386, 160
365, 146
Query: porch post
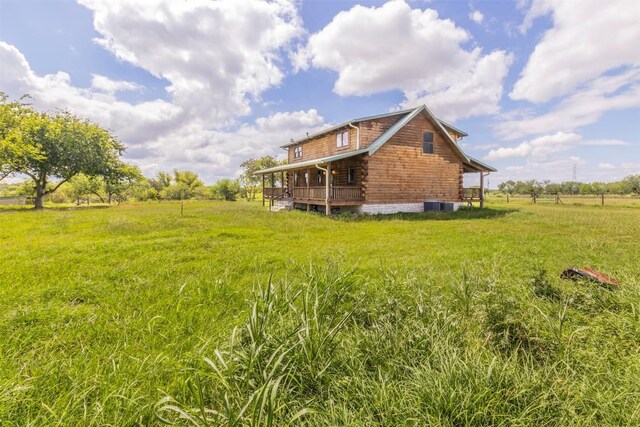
282, 181
262, 189
308, 182
327, 187
481, 190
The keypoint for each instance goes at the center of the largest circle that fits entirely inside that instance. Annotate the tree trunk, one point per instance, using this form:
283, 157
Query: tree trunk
39, 196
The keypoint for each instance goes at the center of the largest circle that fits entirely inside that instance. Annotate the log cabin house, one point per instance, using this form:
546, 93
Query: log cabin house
405, 161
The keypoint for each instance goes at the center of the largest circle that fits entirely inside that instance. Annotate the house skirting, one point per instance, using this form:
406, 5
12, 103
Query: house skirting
390, 208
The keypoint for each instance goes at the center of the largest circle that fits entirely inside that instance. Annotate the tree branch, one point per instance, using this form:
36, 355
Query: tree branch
55, 188
97, 194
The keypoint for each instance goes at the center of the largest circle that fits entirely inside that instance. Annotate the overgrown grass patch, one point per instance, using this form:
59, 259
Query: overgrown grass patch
108, 314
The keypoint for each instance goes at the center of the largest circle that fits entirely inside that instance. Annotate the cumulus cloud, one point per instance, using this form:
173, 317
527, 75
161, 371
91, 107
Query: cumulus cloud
545, 145
476, 16
588, 38
538, 147
606, 166
395, 47
606, 93
218, 57
105, 84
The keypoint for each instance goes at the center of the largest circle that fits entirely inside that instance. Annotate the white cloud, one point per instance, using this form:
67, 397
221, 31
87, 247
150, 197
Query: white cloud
538, 147
606, 93
476, 16
606, 166
105, 84
588, 38
218, 57
543, 146
394, 47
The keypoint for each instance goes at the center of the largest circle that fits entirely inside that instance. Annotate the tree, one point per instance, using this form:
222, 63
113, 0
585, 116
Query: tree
184, 185
117, 180
164, 179
82, 187
631, 184
248, 180
227, 189
507, 187
60, 146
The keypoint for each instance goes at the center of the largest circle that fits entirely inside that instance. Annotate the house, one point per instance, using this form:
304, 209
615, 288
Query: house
396, 162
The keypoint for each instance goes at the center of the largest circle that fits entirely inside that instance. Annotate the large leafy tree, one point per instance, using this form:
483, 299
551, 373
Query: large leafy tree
47, 147
248, 180
115, 182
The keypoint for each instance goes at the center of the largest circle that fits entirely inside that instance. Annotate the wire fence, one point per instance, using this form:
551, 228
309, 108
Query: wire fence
569, 199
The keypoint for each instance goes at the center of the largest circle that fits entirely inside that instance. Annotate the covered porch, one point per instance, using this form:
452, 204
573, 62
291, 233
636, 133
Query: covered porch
321, 184
475, 194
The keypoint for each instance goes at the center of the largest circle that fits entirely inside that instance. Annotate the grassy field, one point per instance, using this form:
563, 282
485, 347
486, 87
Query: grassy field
133, 314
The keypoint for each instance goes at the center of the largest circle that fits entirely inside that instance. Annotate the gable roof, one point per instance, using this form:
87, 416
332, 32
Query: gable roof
471, 164
364, 119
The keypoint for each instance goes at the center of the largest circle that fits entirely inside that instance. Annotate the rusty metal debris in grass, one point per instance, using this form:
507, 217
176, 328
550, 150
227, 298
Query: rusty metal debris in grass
590, 274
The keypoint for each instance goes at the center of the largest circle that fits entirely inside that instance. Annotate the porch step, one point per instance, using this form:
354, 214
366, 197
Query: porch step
281, 205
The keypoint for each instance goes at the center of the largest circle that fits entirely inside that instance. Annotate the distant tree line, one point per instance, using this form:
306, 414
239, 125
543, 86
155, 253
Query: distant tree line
630, 185
127, 183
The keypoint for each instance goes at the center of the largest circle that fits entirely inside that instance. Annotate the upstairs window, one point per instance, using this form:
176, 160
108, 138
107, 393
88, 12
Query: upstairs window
427, 142
297, 152
342, 139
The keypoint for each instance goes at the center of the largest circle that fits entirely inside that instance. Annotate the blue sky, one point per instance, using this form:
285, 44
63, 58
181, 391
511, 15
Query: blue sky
540, 86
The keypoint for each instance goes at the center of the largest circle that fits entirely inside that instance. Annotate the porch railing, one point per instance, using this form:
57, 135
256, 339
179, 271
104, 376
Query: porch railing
346, 193
472, 193
336, 193
271, 192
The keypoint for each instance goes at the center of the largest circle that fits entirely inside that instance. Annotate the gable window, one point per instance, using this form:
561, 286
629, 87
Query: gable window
427, 142
297, 152
351, 175
342, 139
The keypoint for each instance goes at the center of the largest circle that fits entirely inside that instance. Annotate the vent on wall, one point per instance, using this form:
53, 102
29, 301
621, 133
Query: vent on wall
434, 206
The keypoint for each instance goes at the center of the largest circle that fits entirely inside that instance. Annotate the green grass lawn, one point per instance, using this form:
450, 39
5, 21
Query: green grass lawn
442, 319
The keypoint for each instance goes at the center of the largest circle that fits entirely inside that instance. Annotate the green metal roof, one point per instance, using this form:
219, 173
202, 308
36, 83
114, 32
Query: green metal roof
320, 161
382, 139
363, 119
477, 164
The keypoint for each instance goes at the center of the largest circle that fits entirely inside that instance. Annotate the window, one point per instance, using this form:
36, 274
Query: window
427, 142
297, 151
319, 177
342, 139
351, 175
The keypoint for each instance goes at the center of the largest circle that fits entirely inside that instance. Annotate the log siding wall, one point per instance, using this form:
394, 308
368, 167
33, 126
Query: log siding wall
325, 145
399, 172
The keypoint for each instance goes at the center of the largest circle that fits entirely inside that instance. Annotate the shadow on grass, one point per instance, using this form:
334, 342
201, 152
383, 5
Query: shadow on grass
475, 213
76, 208
52, 208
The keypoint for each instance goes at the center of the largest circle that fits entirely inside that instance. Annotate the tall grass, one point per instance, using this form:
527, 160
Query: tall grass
112, 317
327, 352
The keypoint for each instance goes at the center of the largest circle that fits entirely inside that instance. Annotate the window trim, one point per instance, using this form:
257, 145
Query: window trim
430, 144
342, 139
351, 175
